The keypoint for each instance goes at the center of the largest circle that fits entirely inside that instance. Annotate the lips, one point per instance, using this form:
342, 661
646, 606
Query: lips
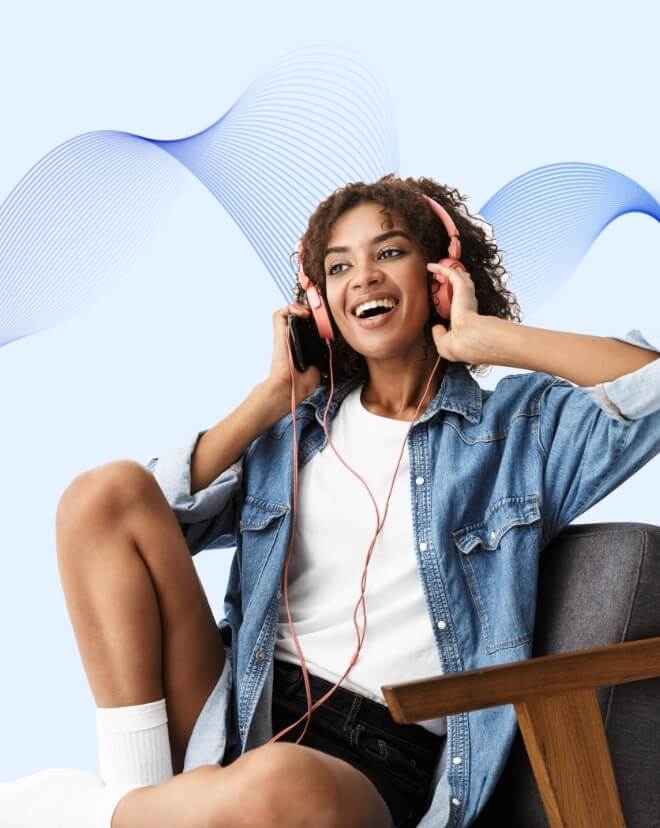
373, 298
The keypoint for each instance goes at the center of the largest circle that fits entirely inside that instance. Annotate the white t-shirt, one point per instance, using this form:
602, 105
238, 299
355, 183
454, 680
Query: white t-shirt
335, 522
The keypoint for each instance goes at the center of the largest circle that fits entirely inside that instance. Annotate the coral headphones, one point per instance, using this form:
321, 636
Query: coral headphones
442, 302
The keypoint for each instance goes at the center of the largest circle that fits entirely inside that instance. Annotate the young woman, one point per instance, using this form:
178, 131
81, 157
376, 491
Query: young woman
484, 480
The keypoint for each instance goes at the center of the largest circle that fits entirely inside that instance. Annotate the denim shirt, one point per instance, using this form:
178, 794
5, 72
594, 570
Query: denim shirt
494, 476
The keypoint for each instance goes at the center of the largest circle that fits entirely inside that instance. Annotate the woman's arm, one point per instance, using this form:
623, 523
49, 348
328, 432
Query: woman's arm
477, 339
221, 446
580, 358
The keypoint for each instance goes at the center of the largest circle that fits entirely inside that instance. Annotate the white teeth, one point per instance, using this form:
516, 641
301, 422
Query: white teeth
375, 303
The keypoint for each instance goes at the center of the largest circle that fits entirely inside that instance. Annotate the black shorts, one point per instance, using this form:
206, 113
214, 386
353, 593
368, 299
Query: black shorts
399, 759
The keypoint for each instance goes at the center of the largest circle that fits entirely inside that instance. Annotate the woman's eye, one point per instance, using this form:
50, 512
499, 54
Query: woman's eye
391, 250
332, 271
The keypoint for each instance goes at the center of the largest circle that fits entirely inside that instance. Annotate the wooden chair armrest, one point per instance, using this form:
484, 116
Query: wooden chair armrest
558, 714
443, 695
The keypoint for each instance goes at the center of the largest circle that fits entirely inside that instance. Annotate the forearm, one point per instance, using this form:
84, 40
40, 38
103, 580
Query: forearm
580, 358
223, 444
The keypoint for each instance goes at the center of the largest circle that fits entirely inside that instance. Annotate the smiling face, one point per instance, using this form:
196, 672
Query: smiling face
379, 257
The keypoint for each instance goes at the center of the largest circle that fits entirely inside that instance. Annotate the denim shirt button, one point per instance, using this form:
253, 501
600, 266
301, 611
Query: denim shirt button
442, 625
455, 801
423, 546
261, 655
419, 481
457, 760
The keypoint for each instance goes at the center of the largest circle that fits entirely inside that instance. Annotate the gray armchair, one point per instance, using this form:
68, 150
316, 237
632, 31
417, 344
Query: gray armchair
599, 585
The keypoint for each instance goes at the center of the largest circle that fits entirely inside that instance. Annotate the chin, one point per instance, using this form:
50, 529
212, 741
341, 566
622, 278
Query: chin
386, 352
387, 347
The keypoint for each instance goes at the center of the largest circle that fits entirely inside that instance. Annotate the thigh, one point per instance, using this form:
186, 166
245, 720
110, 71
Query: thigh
295, 785
123, 499
270, 786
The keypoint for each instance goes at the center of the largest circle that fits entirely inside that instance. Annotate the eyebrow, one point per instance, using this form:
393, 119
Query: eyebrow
382, 237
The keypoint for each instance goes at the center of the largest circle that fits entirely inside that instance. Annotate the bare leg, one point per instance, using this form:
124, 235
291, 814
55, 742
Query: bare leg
185, 801
275, 785
145, 630
142, 621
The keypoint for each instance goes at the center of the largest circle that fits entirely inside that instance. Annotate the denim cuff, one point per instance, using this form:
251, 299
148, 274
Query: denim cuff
632, 395
172, 472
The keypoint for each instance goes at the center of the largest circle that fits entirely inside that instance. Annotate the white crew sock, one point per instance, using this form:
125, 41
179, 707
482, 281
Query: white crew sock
59, 798
134, 744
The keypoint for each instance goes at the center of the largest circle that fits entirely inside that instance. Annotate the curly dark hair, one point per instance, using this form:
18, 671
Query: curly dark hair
479, 255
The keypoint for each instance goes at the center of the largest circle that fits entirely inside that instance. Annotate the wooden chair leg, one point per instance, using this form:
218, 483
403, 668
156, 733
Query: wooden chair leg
570, 728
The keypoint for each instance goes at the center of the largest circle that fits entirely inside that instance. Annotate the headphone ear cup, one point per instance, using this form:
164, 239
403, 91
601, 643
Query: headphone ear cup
314, 300
442, 297
320, 313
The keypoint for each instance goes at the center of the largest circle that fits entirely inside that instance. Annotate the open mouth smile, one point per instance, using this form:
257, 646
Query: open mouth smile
376, 321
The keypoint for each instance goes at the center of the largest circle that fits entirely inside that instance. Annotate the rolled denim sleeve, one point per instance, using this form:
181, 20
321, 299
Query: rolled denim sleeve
636, 394
208, 517
593, 439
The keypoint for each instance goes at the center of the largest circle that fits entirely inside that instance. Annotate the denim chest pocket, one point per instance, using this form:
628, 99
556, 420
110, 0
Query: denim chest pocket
260, 523
500, 558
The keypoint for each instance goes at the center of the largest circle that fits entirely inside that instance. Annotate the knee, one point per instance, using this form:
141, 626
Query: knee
283, 784
101, 495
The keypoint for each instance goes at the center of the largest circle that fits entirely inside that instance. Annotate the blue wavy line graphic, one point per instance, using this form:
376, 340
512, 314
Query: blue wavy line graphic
547, 219
83, 213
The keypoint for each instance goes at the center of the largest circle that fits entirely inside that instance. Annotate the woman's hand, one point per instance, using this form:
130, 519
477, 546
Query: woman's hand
279, 379
453, 344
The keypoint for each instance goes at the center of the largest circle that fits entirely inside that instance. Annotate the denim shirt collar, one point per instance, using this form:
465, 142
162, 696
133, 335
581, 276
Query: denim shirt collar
458, 392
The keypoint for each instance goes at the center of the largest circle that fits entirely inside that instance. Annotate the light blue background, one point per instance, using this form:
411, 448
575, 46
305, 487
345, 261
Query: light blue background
483, 92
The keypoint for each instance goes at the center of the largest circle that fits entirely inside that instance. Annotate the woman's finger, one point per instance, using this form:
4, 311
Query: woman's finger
297, 308
448, 271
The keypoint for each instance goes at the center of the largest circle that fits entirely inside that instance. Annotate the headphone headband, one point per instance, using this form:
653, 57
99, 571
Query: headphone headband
450, 227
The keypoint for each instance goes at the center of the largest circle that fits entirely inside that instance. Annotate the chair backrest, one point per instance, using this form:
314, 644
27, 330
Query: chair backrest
599, 583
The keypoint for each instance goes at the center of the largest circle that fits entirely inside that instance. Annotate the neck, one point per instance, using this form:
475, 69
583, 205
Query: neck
396, 393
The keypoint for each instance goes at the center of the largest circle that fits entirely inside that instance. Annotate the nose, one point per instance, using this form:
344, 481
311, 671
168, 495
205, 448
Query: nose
369, 276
